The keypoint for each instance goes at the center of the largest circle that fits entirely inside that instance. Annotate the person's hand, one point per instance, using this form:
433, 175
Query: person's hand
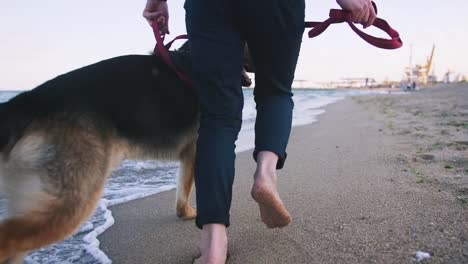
362, 11
156, 10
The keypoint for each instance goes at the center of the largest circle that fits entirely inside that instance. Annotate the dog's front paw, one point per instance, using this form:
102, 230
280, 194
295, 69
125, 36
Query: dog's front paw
187, 212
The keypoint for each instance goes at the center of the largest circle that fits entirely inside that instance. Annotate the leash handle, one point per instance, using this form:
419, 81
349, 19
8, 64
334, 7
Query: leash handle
340, 16
161, 50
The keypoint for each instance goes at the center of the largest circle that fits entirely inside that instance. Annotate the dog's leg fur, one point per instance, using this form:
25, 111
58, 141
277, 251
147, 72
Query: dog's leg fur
185, 181
57, 184
18, 259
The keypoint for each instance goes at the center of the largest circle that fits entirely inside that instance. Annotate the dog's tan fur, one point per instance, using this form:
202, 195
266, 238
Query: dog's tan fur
54, 177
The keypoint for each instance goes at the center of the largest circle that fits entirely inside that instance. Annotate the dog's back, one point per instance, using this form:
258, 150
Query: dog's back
139, 95
59, 141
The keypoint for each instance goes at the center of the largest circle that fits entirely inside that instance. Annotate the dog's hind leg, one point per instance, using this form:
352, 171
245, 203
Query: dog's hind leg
52, 186
185, 181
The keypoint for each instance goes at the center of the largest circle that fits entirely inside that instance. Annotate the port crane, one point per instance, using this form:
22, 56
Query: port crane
421, 73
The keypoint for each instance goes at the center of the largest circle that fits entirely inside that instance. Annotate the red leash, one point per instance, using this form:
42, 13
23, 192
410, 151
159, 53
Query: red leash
340, 16
336, 16
161, 50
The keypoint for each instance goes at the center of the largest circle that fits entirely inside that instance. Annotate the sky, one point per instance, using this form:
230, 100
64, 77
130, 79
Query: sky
42, 39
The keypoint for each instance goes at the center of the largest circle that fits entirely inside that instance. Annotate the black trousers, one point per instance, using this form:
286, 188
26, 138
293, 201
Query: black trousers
218, 30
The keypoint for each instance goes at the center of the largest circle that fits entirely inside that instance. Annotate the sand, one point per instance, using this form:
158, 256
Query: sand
361, 186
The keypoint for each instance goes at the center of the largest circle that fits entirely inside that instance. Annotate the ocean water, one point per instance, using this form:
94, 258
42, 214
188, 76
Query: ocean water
137, 179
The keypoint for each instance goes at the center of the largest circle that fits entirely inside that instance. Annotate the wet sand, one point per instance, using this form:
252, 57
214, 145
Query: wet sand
376, 179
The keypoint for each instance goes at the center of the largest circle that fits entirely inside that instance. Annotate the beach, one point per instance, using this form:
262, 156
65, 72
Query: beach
135, 179
376, 179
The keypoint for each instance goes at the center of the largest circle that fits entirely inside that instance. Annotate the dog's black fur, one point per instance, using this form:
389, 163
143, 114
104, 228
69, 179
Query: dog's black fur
137, 94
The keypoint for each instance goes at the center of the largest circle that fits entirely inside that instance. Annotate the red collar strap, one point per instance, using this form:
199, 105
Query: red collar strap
340, 16
161, 50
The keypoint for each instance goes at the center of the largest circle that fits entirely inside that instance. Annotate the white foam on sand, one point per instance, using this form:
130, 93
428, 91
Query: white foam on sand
91, 238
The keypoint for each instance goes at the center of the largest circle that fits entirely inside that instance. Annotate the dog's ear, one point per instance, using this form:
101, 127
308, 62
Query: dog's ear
248, 62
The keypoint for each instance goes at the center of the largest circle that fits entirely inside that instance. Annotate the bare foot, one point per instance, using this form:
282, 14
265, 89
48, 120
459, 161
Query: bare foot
212, 245
272, 210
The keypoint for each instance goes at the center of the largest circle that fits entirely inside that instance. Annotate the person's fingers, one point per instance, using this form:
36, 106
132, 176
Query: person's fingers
372, 17
357, 16
152, 15
358, 12
161, 20
365, 18
163, 23
366, 10
161, 17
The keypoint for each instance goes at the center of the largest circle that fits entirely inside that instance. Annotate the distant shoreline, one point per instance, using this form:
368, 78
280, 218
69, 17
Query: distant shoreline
1, 91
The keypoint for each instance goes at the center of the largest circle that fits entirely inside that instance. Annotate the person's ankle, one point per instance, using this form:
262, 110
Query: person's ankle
214, 232
213, 243
266, 163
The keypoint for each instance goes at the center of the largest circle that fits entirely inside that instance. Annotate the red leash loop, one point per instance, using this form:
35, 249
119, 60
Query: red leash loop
161, 50
340, 16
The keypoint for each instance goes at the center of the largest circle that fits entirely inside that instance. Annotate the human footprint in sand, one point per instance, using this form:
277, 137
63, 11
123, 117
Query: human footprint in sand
218, 30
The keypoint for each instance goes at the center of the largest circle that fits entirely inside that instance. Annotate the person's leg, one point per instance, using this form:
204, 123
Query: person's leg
216, 50
274, 34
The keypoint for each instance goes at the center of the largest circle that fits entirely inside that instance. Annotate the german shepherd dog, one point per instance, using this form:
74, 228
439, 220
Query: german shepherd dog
61, 140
